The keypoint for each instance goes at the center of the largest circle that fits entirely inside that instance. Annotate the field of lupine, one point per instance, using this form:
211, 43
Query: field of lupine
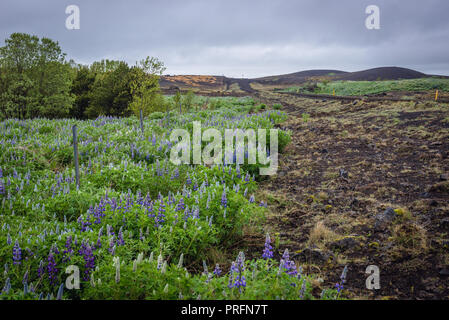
138, 227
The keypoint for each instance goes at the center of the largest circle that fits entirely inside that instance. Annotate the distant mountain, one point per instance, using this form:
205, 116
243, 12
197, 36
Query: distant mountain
209, 84
301, 75
384, 73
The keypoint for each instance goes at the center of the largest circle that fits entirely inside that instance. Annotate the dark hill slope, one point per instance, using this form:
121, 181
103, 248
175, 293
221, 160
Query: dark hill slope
384, 73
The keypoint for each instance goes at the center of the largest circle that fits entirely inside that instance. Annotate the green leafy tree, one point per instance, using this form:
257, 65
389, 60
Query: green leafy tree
188, 100
17, 98
81, 86
110, 94
35, 78
177, 100
145, 88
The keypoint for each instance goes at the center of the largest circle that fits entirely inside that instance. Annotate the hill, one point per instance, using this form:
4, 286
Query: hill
384, 73
209, 84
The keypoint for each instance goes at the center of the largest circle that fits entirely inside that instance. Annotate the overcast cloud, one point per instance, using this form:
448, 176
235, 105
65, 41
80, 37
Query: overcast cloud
243, 38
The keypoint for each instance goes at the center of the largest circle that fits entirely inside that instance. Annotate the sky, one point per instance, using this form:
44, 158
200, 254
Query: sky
243, 38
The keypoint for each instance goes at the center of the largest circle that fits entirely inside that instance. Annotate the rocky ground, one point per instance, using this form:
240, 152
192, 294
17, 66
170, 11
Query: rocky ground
365, 183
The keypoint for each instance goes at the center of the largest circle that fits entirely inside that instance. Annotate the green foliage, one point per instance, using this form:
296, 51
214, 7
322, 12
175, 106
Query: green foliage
35, 79
188, 100
177, 100
111, 92
132, 202
305, 117
156, 115
145, 89
81, 86
147, 279
354, 88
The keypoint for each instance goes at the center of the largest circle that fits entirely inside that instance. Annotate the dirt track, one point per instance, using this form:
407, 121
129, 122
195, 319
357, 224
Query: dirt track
346, 166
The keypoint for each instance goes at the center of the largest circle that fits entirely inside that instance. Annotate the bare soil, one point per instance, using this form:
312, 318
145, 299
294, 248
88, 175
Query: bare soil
347, 165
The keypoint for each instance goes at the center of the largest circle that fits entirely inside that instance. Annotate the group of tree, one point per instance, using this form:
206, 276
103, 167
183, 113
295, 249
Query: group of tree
36, 80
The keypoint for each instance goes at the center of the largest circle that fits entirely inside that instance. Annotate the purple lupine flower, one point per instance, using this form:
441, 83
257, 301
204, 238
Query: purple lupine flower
112, 246
224, 200
340, 284
288, 265
188, 181
150, 210
2, 187
68, 249
160, 216
85, 223
187, 214
30, 254
268, 251
40, 270
98, 244
175, 174
51, 268
180, 206
55, 249
237, 279
251, 199
171, 199
89, 258
217, 270
120, 240
7, 287
17, 253
232, 271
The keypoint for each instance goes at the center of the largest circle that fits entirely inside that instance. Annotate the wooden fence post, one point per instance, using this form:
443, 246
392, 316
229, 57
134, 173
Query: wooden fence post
75, 153
141, 121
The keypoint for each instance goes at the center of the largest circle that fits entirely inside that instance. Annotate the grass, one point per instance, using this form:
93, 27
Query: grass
354, 88
137, 227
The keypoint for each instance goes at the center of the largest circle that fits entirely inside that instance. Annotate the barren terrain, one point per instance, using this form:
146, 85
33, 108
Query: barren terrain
365, 183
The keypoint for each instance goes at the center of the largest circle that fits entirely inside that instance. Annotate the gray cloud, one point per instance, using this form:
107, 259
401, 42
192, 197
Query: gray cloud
243, 37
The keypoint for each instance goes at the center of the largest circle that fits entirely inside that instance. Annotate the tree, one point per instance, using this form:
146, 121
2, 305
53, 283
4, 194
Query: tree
189, 97
81, 86
17, 100
111, 92
35, 78
145, 88
177, 100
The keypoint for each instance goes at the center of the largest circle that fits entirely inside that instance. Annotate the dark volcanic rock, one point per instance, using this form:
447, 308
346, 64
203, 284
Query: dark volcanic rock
384, 218
344, 244
441, 187
343, 173
444, 223
444, 272
315, 256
